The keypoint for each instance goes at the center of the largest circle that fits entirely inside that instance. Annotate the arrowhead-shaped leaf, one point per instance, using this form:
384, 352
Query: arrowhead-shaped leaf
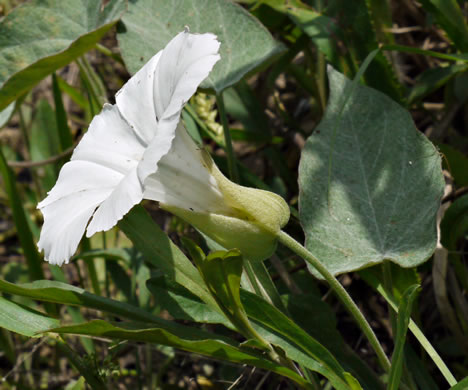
370, 183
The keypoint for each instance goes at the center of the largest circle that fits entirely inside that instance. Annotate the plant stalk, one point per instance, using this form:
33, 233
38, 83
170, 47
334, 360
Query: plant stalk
232, 167
342, 294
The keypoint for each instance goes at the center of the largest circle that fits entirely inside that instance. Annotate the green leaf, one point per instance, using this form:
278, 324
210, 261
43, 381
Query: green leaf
6, 113
74, 93
462, 385
190, 339
370, 183
360, 38
319, 320
321, 29
369, 276
276, 322
444, 56
160, 251
109, 254
404, 316
7, 346
33, 258
121, 280
64, 132
242, 104
151, 24
23, 320
222, 272
45, 142
51, 291
90, 372
79, 384
58, 292
42, 36
450, 17
456, 163
181, 303
455, 222
419, 370
343, 24
186, 306
352, 381
432, 79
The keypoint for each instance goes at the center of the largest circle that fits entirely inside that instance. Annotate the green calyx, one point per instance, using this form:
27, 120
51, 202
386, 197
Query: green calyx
252, 223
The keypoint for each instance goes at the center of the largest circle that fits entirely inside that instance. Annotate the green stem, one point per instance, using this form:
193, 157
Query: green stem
342, 294
425, 343
265, 284
92, 378
387, 280
251, 277
107, 52
232, 167
203, 127
91, 265
406, 379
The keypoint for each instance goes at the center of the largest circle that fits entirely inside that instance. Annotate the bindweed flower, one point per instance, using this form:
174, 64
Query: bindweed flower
138, 148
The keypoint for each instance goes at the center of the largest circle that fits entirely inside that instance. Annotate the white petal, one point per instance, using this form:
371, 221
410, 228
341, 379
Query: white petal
102, 170
80, 177
128, 193
182, 179
80, 188
158, 148
110, 141
185, 62
135, 100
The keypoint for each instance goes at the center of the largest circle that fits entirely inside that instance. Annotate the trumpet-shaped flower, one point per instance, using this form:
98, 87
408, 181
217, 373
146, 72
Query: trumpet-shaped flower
138, 149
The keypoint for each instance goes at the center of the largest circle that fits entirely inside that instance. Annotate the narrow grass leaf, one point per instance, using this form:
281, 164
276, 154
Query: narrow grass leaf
33, 258
455, 162
45, 143
443, 56
433, 79
449, 16
370, 278
404, 316
418, 369
454, 225
64, 131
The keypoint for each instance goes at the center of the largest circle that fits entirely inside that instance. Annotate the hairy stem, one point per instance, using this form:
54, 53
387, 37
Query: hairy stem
342, 294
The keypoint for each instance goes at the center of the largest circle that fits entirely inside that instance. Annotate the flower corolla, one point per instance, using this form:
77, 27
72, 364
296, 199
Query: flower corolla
139, 149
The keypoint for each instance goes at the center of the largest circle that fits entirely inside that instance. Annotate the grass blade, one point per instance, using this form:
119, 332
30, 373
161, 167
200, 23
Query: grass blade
404, 316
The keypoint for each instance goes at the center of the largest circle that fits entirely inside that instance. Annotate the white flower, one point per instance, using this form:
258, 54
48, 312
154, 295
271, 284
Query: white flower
138, 149
119, 154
